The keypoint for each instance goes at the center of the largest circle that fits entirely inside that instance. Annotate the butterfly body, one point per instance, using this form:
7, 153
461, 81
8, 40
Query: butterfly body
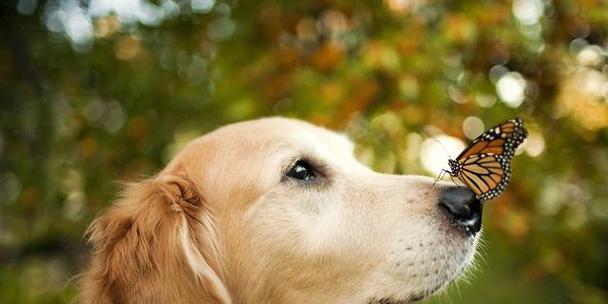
485, 165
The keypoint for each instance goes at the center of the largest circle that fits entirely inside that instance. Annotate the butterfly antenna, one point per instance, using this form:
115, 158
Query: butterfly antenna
443, 147
443, 171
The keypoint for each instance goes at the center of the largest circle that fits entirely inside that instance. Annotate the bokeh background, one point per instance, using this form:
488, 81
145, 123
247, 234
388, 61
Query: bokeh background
94, 92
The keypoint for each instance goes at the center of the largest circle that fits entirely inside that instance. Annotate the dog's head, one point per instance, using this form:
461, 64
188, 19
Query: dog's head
288, 215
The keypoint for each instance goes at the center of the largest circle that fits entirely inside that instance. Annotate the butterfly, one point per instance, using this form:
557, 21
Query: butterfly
485, 165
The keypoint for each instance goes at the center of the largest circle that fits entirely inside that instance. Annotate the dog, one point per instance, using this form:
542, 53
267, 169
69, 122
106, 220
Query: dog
277, 210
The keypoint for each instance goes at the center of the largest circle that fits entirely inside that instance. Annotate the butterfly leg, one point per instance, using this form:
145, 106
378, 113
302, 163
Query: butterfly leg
453, 181
441, 175
438, 177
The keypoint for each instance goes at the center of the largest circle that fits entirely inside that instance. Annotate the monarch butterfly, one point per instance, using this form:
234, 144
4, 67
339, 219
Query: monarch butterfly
485, 165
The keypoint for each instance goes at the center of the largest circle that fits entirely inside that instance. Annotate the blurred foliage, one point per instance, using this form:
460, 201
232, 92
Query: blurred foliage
98, 91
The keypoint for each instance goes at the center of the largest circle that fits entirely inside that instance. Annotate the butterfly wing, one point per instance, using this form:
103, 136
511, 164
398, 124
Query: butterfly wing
508, 134
485, 165
486, 174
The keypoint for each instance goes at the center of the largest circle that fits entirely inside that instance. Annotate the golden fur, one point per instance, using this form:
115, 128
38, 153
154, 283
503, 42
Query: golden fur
222, 224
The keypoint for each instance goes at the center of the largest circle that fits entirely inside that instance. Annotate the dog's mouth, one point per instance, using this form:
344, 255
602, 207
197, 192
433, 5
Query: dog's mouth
436, 268
411, 299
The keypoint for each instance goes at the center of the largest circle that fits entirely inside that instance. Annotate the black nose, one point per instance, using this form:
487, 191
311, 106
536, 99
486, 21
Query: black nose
463, 206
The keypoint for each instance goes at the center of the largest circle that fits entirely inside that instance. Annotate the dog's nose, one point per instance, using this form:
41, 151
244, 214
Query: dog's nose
463, 206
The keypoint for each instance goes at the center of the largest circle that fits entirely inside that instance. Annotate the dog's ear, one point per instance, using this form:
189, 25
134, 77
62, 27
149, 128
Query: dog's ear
156, 244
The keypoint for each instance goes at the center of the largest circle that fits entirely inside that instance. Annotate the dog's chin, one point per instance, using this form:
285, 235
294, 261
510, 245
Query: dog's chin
411, 299
459, 246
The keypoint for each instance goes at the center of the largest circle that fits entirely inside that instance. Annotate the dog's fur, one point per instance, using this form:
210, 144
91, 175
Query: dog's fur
222, 223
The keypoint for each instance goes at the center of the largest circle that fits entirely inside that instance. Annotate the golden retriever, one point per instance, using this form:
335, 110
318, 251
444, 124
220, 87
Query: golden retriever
277, 210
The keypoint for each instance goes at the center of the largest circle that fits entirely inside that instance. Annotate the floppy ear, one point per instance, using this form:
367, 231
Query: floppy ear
157, 244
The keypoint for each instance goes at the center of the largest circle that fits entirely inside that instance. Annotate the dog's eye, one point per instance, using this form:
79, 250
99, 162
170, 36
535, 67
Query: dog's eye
303, 171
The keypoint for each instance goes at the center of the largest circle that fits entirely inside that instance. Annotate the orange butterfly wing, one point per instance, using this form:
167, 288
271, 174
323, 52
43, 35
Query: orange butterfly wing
484, 166
484, 175
494, 139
